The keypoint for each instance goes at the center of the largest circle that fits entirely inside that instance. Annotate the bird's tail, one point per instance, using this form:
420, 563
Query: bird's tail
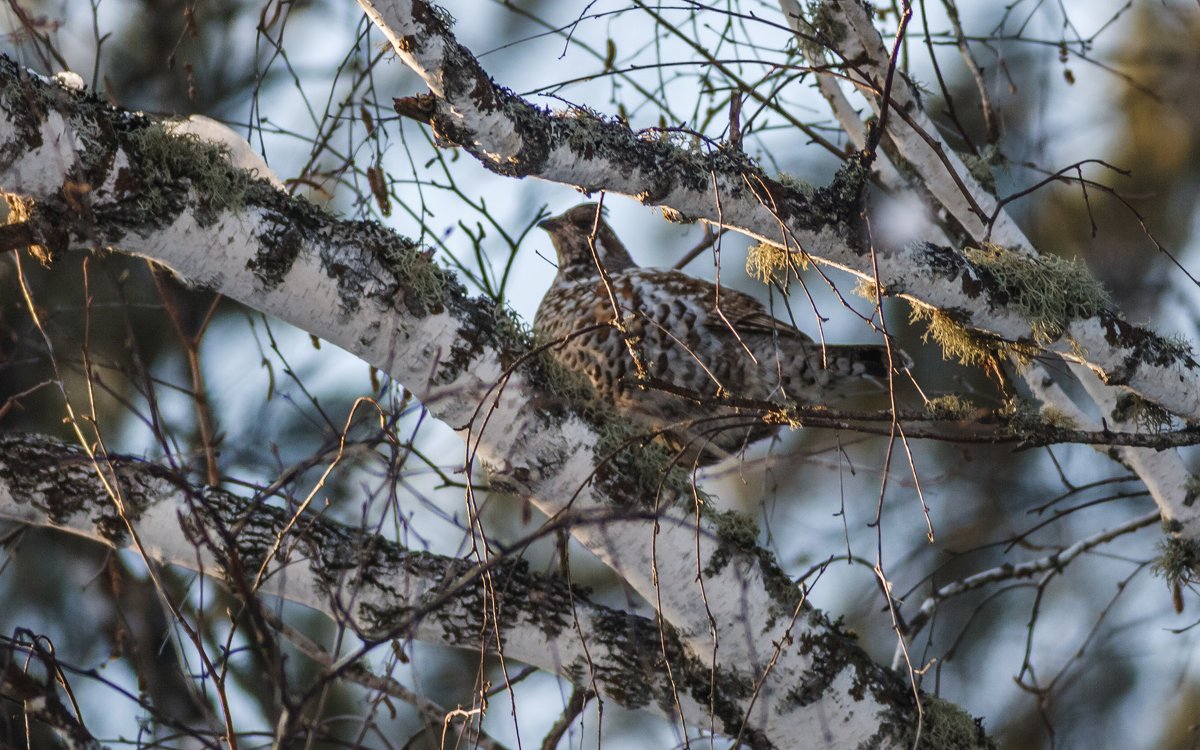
860, 360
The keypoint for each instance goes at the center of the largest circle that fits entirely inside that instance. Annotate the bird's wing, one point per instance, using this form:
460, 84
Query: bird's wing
747, 315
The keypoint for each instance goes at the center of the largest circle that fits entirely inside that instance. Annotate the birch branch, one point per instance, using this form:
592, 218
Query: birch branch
513, 137
844, 29
83, 174
375, 587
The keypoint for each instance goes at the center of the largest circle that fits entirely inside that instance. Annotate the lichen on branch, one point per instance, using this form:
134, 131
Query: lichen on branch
1048, 291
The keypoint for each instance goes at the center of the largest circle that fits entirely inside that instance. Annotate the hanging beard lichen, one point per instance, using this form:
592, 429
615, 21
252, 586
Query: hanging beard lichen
772, 264
1046, 290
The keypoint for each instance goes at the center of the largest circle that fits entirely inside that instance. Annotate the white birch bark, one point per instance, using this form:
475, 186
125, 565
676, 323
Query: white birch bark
846, 26
511, 136
379, 589
784, 670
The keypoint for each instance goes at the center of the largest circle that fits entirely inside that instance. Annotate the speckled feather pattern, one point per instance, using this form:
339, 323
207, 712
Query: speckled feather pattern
672, 325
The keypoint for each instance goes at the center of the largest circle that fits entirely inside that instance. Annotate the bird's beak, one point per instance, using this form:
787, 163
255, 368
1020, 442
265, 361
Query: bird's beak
546, 224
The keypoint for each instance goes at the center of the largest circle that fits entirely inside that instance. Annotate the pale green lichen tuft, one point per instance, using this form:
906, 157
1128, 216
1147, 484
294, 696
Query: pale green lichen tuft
980, 166
869, 290
423, 278
737, 536
511, 330
806, 189
1021, 416
166, 158
1048, 291
1025, 417
565, 383
645, 467
950, 407
1056, 418
771, 264
826, 27
1177, 561
1147, 415
966, 345
945, 726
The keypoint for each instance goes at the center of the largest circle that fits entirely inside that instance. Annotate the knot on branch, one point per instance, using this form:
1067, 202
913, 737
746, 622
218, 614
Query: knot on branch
420, 107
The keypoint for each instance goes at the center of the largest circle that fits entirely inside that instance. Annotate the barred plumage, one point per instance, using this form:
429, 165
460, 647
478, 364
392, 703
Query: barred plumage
678, 365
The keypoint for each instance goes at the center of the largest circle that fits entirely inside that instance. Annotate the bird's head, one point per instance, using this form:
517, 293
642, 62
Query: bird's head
581, 237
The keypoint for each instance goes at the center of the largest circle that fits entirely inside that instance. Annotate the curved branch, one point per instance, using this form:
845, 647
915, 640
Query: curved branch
176, 200
513, 137
377, 588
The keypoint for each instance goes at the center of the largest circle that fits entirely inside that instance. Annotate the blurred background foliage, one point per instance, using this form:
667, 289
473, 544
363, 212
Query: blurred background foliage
1095, 655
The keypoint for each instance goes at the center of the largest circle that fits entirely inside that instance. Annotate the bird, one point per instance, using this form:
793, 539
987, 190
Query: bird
697, 365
